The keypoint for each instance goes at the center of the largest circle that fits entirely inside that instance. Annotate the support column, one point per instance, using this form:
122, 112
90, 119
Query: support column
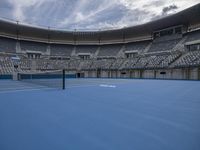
18, 47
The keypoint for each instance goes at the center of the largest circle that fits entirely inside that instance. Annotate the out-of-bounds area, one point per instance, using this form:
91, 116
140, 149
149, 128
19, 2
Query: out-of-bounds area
100, 114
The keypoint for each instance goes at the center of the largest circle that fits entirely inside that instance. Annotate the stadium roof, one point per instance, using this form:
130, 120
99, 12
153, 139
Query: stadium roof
188, 18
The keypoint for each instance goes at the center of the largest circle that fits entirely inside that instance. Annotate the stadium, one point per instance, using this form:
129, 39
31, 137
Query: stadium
129, 88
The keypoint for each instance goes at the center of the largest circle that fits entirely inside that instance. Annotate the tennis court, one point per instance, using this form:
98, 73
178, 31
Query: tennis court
100, 114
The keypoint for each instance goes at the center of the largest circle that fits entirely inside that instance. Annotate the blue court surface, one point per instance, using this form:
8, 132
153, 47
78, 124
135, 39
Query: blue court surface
100, 114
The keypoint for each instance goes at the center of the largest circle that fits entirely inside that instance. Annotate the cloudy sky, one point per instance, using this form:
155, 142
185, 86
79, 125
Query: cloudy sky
90, 14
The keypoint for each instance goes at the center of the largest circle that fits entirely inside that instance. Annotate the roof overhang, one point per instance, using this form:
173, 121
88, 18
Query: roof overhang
186, 18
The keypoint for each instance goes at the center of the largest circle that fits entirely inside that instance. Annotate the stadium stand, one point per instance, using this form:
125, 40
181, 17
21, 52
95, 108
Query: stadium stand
104, 64
190, 59
86, 49
129, 63
169, 60
155, 61
86, 64
61, 50
117, 64
5, 65
25, 65
109, 50
168, 45
192, 36
154, 46
33, 46
7, 45
136, 46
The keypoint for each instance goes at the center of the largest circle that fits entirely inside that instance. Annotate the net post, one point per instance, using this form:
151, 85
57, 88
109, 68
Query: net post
63, 76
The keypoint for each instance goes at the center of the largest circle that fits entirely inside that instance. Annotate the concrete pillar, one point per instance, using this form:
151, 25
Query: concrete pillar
15, 76
18, 47
48, 51
33, 65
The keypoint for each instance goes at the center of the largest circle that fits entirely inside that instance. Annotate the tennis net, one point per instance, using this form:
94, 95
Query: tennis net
50, 79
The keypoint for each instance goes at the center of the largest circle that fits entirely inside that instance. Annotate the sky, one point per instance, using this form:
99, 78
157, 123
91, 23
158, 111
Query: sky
90, 14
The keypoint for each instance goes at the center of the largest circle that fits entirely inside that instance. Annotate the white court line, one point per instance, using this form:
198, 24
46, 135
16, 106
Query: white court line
16, 85
82, 86
19, 88
99, 83
39, 89
107, 86
25, 90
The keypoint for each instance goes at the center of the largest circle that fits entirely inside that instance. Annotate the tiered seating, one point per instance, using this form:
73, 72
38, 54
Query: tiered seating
7, 45
149, 62
142, 62
154, 61
193, 36
197, 62
109, 50
117, 64
130, 63
139, 46
86, 49
45, 64
169, 59
63, 64
163, 46
33, 46
6, 66
61, 50
25, 65
158, 56
190, 59
52, 64
102, 64
86, 64
73, 64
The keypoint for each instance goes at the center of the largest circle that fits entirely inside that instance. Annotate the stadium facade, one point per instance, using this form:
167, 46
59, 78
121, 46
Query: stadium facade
168, 48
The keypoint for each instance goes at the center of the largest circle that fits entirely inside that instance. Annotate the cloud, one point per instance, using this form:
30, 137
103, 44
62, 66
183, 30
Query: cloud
21, 8
90, 14
169, 9
20, 5
87, 10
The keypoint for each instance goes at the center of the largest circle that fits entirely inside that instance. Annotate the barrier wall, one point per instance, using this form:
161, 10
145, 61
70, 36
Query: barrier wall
5, 76
175, 74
